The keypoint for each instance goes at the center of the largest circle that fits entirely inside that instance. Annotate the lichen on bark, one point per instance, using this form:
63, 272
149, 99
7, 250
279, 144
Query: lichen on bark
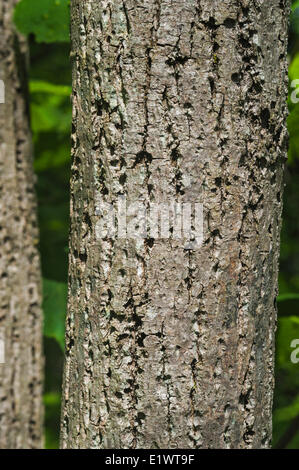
175, 101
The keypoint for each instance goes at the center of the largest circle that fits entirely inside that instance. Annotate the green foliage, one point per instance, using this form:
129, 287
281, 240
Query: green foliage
52, 406
50, 113
50, 110
294, 68
39, 86
48, 20
288, 296
286, 399
287, 331
50, 62
287, 413
295, 17
54, 307
51, 123
286, 402
293, 117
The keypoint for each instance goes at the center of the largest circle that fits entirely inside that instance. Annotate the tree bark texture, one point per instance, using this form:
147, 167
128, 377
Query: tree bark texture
175, 100
21, 413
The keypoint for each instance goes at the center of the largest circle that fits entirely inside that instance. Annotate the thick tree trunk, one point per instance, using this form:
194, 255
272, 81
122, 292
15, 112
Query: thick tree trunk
20, 310
169, 344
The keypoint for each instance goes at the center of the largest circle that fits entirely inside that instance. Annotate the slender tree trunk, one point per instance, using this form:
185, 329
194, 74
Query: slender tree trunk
20, 310
169, 344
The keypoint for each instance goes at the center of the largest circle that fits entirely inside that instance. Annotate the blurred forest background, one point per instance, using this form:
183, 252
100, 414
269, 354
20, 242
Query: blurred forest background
46, 23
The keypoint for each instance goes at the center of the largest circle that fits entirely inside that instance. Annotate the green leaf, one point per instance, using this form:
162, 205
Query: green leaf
48, 20
51, 399
54, 307
50, 107
294, 68
288, 296
40, 86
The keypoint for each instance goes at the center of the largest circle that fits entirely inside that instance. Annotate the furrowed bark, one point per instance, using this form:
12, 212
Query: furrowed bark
21, 412
184, 101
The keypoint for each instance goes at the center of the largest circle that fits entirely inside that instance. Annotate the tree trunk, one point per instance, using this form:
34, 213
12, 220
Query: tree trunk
170, 344
20, 310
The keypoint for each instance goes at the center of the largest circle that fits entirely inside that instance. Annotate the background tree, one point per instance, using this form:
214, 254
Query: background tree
46, 23
21, 411
179, 101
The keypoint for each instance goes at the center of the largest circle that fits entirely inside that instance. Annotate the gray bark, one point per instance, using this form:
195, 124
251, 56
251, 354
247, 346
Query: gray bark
21, 413
185, 101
